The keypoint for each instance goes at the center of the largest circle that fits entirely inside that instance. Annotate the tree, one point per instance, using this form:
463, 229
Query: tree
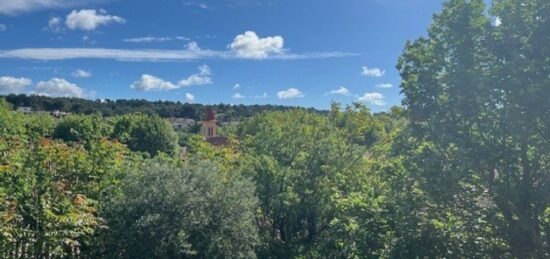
478, 138
169, 212
49, 193
146, 133
87, 129
317, 195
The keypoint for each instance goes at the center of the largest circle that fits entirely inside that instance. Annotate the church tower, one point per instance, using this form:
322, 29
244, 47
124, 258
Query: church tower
209, 125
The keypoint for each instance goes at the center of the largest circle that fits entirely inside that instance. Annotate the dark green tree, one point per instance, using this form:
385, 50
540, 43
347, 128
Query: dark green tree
476, 97
146, 133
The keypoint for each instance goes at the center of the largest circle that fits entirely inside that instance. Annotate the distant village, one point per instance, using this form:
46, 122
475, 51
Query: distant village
208, 125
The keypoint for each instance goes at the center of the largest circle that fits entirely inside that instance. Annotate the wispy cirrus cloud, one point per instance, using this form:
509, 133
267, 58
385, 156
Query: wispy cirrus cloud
153, 39
238, 96
80, 73
372, 72
46, 54
247, 46
16, 7
384, 85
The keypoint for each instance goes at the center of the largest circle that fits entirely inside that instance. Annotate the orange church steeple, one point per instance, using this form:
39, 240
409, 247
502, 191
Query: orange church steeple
209, 124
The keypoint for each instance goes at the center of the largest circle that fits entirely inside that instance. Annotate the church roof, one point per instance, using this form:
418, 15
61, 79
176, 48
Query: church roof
218, 141
209, 115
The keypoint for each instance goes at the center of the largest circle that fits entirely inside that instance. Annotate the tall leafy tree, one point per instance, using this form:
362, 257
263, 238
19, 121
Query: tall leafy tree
313, 185
479, 127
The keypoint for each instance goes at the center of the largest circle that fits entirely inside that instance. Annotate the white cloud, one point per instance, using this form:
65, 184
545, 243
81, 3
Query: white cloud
374, 72
189, 97
262, 96
197, 4
290, 93
372, 98
496, 21
191, 52
384, 85
3, 27
238, 96
340, 91
14, 7
236, 86
90, 19
147, 39
59, 87
54, 21
201, 78
55, 25
79, 73
149, 82
13, 85
249, 45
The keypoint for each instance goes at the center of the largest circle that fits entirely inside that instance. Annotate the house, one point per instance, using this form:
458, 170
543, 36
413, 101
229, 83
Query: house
60, 114
24, 109
182, 123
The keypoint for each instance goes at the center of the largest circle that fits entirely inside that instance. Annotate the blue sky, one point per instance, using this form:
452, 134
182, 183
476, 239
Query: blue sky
285, 52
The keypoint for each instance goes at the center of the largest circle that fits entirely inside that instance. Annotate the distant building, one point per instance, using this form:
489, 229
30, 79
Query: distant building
60, 114
182, 123
209, 129
24, 109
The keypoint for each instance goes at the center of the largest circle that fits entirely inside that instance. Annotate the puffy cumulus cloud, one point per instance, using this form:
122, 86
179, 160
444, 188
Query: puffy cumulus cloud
59, 87
289, 94
340, 91
372, 98
373, 72
149, 82
13, 85
3, 27
201, 78
90, 19
238, 96
236, 86
79, 73
189, 97
384, 85
249, 45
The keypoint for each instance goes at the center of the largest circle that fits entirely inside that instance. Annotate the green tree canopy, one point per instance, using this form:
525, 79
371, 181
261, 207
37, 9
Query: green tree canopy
170, 212
477, 101
146, 133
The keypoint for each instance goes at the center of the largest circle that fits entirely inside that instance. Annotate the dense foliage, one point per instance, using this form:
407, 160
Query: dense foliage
164, 109
460, 171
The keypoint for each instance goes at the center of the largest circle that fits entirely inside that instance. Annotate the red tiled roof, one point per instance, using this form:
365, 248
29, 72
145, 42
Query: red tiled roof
218, 141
